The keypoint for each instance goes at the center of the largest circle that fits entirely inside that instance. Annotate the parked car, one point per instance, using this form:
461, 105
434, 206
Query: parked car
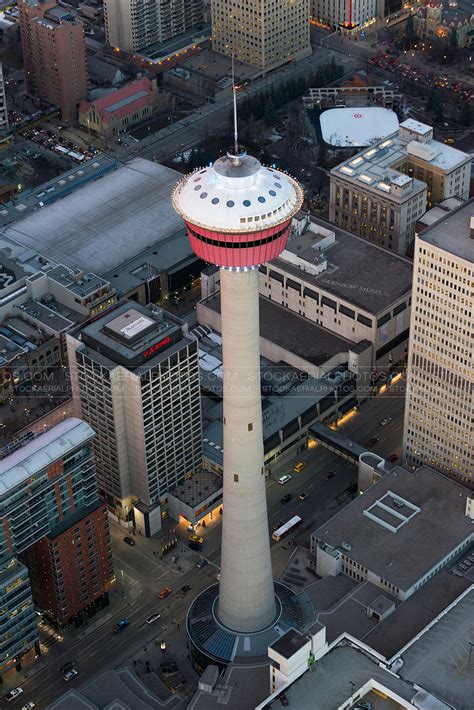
130, 541
154, 617
300, 466
185, 588
330, 474
202, 563
392, 458
284, 700
286, 499
373, 441
70, 675
385, 421
284, 479
303, 496
195, 546
28, 706
196, 538
165, 592
13, 694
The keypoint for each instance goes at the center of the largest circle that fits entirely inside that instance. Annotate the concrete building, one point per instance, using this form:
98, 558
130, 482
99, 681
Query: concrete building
346, 15
132, 25
399, 534
263, 35
71, 568
43, 484
439, 414
322, 276
54, 55
135, 379
122, 109
3, 104
381, 192
238, 215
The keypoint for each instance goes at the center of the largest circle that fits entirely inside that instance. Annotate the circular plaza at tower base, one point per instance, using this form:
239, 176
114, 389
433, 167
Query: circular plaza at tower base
211, 643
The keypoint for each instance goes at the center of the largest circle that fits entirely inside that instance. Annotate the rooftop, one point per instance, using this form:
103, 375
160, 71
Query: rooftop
346, 275
43, 451
289, 643
91, 228
198, 488
402, 526
374, 167
292, 332
122, 102
344, 127
452, 234
132, 335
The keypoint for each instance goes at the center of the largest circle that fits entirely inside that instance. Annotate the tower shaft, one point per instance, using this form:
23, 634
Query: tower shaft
246, 597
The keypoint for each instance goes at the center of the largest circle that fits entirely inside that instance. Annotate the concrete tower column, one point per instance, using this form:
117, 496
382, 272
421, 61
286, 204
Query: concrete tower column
246, 597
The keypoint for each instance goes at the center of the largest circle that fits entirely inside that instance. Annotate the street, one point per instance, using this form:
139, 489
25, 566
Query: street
141, 574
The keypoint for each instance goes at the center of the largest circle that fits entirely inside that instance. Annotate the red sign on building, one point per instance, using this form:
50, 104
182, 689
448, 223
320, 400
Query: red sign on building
157, 346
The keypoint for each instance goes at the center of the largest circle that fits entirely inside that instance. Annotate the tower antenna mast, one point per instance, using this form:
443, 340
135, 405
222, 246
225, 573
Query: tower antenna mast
236, 135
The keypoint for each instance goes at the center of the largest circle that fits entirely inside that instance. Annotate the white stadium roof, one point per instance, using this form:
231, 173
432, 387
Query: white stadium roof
357, 127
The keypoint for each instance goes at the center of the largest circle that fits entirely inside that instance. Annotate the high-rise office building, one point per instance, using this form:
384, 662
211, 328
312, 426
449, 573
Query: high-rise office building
135, 378
132, 25
54, 55
47, 483
261, 33
439, 415
3, 103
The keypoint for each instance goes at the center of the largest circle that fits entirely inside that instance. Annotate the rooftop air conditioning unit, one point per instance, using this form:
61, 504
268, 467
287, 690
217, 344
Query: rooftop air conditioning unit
346, 546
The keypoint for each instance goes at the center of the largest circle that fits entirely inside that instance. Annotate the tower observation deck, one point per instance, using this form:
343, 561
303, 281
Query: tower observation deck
238, 215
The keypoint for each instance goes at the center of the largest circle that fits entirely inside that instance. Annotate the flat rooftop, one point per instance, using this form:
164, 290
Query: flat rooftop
402, 526
132, 335
198, 488
439, 659
292, 332
336, 673
289, 643
346, 277
452, 233
100, 229
41, 452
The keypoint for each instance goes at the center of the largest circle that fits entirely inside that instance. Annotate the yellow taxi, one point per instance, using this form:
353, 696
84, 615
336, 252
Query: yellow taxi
300, 466
196, 538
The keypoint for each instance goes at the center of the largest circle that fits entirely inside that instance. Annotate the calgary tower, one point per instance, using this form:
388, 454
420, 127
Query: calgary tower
238, 215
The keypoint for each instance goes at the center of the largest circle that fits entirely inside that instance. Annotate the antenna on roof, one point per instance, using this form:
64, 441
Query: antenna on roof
236, 134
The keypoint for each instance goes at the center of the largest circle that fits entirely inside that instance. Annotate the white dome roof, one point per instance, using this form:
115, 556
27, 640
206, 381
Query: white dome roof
237, 194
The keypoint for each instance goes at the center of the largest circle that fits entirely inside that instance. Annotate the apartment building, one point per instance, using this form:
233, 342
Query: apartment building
45, 483
381, 192
439, 413
54, 55
322, 276
340, 13
71, 568
263, 34
132, 25
135, 379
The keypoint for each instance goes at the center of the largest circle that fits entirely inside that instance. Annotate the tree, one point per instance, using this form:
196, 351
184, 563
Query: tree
453, 38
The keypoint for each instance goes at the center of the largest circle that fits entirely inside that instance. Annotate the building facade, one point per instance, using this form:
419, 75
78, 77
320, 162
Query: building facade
265, 35
3, 104
439, 413
48, 481
132, 25
54, 55
135, 379
122, 109
344, 13
381, 192
71, 568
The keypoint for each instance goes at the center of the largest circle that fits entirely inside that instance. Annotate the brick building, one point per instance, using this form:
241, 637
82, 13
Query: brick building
54, 55
71, 568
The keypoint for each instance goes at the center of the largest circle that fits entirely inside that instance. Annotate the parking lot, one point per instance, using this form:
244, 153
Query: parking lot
52, 141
